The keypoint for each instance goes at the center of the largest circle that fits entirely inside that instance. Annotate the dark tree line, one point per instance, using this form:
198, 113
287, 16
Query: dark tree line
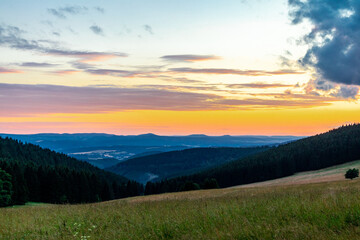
184, 184
324, 150
5, 188
41, 175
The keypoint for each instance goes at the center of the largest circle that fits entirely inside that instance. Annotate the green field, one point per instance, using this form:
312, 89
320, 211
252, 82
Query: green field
312, 211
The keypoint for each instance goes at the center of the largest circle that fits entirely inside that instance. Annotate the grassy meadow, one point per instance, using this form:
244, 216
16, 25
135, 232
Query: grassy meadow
311, 211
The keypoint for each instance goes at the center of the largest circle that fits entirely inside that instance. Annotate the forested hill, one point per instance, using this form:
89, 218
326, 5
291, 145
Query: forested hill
43, 175
177, 163
324, 150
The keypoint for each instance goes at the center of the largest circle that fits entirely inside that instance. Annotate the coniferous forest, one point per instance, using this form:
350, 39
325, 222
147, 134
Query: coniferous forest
42, 175
320, 151
30, 173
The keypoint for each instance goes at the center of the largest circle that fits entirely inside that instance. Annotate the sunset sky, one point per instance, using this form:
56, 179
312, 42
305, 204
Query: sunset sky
237, 67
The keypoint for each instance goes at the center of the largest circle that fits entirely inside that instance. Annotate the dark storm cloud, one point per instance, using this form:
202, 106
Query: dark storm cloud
337, 24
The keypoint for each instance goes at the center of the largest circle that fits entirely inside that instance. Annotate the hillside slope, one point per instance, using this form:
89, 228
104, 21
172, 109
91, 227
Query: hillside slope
313, 211
324, 150
44, 175
330, 174
177, 163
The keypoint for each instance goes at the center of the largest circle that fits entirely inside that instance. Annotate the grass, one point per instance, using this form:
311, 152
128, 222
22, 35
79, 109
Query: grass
29, 204
312, 211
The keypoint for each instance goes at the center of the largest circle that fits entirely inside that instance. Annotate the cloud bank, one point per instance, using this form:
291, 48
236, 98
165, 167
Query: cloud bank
21, 99
334, 42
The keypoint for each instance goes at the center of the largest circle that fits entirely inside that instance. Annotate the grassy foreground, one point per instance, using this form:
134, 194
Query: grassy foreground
313, 211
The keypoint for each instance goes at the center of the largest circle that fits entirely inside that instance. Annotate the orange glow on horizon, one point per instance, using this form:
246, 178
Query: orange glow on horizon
301, 122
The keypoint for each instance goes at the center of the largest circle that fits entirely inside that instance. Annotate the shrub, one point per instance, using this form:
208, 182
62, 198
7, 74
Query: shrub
352, 173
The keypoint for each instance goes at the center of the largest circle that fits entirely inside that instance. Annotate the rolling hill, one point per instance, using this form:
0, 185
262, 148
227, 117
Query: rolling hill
312, 211
176, 163
335, 147
43, 175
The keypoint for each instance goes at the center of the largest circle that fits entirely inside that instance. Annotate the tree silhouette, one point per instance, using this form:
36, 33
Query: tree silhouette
352, 173
5, 188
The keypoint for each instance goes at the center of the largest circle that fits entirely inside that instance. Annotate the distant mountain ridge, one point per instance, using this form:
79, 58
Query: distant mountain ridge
59, 142
104, 150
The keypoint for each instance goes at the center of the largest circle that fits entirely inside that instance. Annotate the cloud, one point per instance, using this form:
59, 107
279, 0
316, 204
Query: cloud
86, 56
21, 99
100, 9
189, 58
10, 36
346, 92
334, 42
32, 99
56, 34
319, 86
63, 12
6, 71
113, 72
148, 28
97, 30
37, 65
65, 72
258, 85
234, 71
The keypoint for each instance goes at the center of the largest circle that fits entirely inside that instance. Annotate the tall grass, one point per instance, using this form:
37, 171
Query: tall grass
314, 211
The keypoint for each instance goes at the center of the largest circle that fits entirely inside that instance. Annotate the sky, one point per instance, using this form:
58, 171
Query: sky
237, 67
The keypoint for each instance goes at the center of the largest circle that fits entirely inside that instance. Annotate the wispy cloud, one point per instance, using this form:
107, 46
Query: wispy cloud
100, 9
113, 72
33, 99
37, 65
7, 70
65, 72
11, 37
148, 29
189, 58
64, 12
258, 85
20, 99
86, 56
97, 30
234, 71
